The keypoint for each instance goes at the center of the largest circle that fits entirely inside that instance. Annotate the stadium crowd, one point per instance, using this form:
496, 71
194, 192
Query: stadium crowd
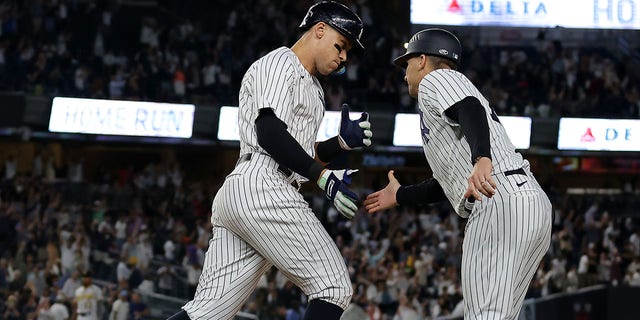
200, 51
143, 230
146, 230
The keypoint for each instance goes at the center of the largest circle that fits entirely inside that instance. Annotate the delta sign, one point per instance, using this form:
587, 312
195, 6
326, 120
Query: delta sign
599, 134
590, 14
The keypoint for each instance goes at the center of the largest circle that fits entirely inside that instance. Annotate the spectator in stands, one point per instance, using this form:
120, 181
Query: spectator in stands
67, 255
120, 228
51, 310
137, 308
193, 275
86, 299
123, 270
169, 248
294, 311
120, 307
12, 312
69, 288
136, 277
166, 275
147, 285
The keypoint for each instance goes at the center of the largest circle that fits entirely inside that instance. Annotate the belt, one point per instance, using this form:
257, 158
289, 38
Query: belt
284, 170
516, 171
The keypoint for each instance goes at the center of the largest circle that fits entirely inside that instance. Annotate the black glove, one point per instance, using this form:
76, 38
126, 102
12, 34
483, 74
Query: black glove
354, 133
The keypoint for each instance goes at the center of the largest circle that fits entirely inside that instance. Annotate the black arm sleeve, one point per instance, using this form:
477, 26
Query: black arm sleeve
328, 149
274, 138
472, 118
426, 192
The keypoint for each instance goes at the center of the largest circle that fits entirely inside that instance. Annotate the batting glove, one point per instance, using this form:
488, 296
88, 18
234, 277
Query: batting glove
354, 133
335, 185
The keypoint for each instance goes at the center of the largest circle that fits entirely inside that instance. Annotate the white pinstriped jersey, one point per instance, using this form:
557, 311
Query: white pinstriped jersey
506, 235
279, 81
445, 147
259, 218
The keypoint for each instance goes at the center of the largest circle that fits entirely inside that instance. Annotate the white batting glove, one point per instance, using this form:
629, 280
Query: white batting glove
335, 185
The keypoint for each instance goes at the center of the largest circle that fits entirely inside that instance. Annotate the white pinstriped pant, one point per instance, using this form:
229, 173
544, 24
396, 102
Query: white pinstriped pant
505, 239
261, 220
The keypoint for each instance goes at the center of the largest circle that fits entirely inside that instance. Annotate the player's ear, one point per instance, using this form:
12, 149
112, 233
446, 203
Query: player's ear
319, 29
422, 62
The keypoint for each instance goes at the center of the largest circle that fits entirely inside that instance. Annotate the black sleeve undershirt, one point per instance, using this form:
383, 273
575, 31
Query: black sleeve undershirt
274, 138
472, 118
328, 149
425, 192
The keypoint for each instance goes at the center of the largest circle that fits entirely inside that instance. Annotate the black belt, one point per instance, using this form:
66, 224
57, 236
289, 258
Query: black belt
284, 170
516, 171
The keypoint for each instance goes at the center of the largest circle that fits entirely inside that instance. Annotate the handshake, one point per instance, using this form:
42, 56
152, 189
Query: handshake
352, 134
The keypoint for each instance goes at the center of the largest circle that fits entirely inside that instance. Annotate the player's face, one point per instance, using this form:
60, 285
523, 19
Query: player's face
334, 51
417, 68
412, 75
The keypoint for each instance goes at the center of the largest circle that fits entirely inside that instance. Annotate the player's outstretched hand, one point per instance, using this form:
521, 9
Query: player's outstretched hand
354, 133
335, 184
385, 198
480, 181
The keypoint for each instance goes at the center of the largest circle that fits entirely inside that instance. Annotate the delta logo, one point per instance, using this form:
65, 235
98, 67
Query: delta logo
587, 136
609, 134
499, 8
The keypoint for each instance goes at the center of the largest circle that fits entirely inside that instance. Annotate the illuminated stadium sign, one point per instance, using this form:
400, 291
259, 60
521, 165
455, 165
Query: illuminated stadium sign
592, 14
116, 117
407, 130
599, 134
228, 124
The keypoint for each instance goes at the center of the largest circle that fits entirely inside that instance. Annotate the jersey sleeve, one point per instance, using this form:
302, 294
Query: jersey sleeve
443, 88
273, 84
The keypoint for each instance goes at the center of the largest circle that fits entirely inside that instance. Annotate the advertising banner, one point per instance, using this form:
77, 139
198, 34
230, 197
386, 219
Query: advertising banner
407, 130
588, 14
126, 118
599, 134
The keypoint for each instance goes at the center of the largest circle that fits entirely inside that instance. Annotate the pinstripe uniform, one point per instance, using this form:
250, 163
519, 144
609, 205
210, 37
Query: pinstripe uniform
506, 235
259, 218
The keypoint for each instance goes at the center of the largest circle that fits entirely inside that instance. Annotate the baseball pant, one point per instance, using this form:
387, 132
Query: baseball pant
506, 236
261, 220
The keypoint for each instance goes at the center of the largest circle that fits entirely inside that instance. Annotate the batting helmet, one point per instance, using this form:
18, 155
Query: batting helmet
435, 42
338, 16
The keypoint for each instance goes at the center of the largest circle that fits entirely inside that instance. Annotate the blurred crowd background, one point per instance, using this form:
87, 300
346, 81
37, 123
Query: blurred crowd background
198, 51
142, 229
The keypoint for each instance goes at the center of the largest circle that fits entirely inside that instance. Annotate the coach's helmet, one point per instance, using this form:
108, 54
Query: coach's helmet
338, 16
434, 42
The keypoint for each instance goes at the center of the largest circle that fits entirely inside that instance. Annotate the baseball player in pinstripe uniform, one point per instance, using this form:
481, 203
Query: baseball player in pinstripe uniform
259, 218
475, 167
